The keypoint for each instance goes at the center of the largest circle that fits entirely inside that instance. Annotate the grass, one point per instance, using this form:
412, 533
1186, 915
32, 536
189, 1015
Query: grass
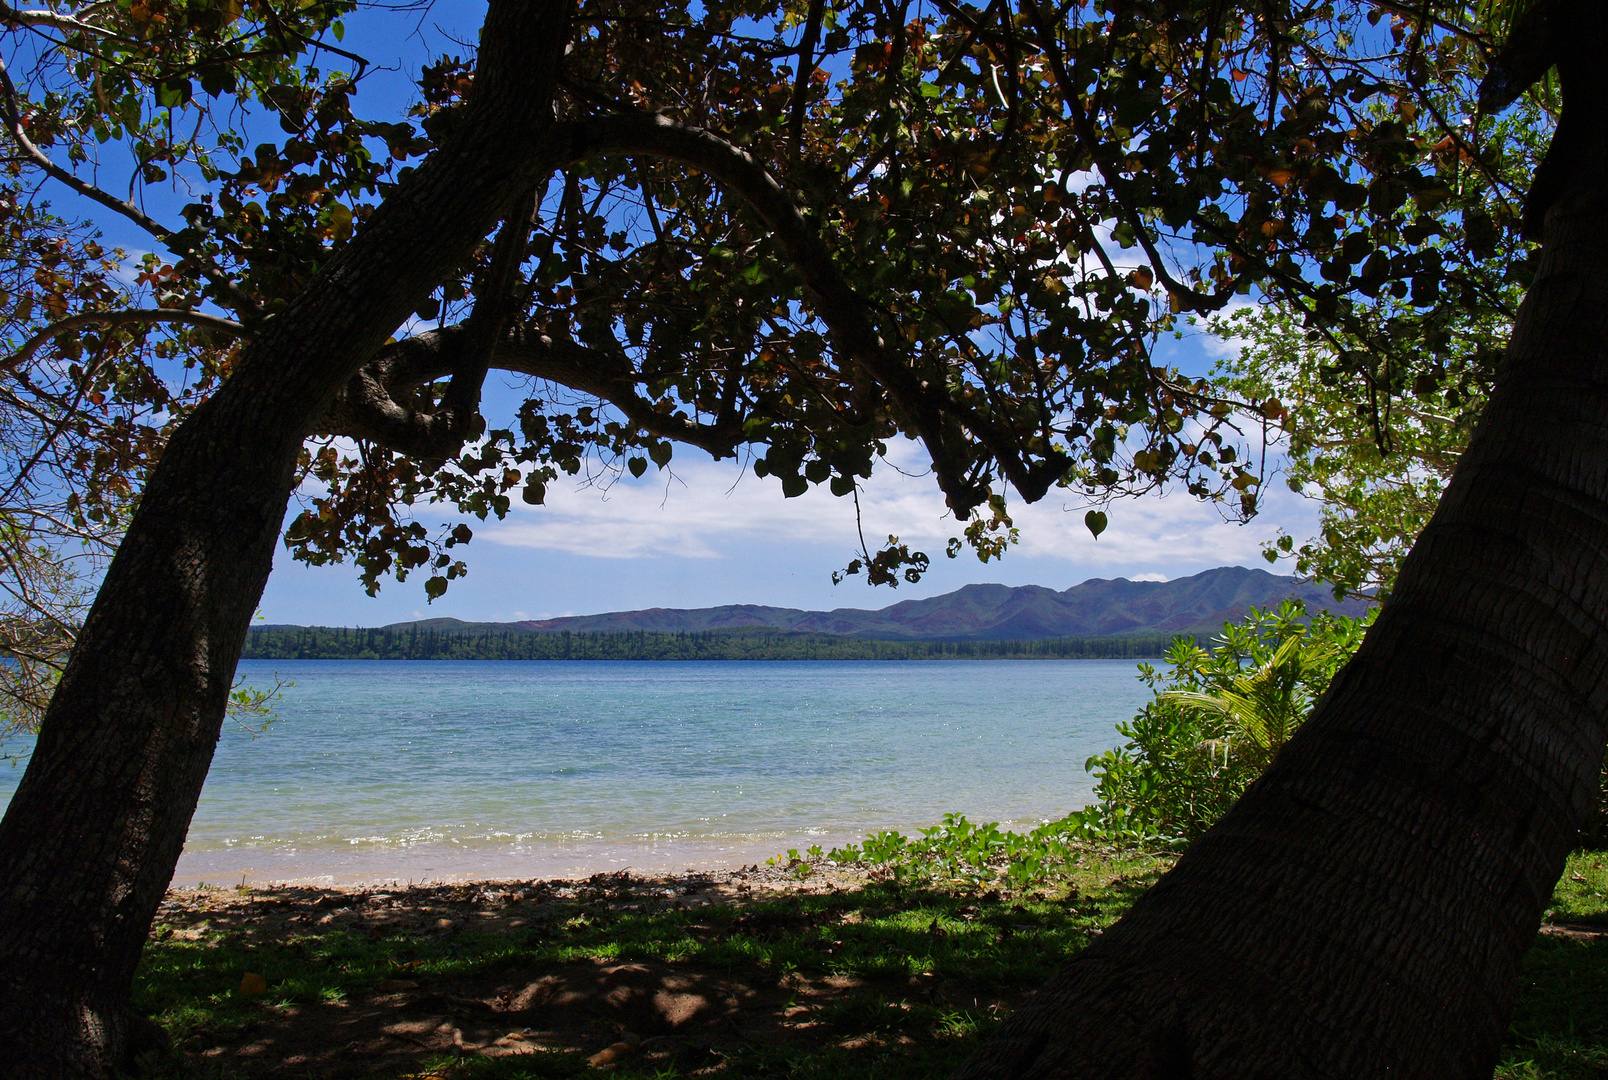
882, 982
884, 946
1560, 1027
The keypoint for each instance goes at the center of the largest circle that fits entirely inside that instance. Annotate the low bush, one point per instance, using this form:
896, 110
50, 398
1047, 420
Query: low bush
1218, 717
976, 856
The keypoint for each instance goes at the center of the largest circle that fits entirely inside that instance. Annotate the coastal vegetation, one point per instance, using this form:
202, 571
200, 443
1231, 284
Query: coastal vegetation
1219, 716
810, 971
794, 234
428, 643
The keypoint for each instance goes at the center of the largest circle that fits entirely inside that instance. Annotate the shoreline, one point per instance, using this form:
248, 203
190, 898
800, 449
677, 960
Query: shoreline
454, 864
484, 903
363, 865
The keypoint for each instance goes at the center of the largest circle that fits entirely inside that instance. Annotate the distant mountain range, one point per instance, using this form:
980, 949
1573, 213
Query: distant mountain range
1096, 608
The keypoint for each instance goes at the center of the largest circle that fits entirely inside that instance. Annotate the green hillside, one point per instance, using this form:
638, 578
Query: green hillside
466, 642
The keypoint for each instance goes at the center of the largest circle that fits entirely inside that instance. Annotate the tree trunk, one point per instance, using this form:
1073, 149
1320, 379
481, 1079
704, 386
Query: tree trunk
93, 833
1362, 911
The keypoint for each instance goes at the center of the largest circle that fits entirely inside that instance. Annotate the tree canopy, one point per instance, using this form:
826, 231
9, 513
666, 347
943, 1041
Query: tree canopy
795, 234
1377, 463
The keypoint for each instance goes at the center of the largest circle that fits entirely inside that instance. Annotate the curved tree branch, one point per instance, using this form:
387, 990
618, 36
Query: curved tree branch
55, 20
845, 312
368, 407
497, 289
592, 371
119, 318
370, 399
247, 308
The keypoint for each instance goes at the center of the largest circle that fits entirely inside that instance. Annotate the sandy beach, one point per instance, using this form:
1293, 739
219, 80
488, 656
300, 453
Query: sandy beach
359, 866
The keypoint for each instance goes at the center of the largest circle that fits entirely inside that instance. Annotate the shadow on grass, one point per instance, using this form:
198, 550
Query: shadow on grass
666, 980
876, 980
1560, 1027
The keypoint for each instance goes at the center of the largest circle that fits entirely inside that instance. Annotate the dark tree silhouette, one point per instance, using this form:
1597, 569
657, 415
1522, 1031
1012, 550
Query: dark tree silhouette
931, 246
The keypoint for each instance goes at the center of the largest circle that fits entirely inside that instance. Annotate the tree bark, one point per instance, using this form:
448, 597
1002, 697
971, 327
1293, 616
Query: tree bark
92, 835
1362, 911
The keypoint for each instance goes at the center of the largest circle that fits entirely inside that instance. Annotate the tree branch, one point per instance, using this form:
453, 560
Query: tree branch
10, 16
244, 305
368, 408
846, 313
119, 318
497, 302
592, 371
1408, 11
806, 69
369, 401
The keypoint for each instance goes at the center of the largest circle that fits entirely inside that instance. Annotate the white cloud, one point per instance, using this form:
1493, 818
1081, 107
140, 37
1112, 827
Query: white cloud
1151, 535
709, 511
686, 515
1082, 180
1218, 346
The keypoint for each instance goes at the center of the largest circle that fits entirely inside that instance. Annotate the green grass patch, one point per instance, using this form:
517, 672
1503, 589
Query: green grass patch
923, 971
1560, 1027
885, 981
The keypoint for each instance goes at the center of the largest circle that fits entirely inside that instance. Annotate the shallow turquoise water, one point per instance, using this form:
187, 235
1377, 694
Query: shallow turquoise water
437, 769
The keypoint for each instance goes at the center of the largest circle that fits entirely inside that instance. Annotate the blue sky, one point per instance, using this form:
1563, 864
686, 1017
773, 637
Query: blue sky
710, 534
707, 533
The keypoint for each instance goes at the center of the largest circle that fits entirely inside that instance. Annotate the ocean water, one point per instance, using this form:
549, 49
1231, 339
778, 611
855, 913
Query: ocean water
440, 770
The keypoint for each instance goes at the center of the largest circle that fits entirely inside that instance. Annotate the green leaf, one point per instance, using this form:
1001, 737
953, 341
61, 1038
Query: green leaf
1096, 521
637, 465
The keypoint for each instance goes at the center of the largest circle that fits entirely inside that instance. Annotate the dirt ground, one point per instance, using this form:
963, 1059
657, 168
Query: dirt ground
650, 1014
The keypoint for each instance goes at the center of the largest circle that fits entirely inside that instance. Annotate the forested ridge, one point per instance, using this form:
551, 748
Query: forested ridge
427, 643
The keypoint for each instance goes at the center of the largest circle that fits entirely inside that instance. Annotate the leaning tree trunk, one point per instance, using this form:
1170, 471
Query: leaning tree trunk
1362, 911
95, 828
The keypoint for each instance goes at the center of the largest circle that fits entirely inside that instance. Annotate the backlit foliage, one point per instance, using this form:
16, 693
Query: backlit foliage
1021, 200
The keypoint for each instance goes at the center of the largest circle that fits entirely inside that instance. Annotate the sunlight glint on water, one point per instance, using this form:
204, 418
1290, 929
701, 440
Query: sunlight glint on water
420, 770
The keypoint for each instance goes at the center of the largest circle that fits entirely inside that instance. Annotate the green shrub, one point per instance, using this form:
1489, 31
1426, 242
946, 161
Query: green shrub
1218, 718
960, 852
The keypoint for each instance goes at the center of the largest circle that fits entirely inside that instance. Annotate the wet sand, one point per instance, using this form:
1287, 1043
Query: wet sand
367, 866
